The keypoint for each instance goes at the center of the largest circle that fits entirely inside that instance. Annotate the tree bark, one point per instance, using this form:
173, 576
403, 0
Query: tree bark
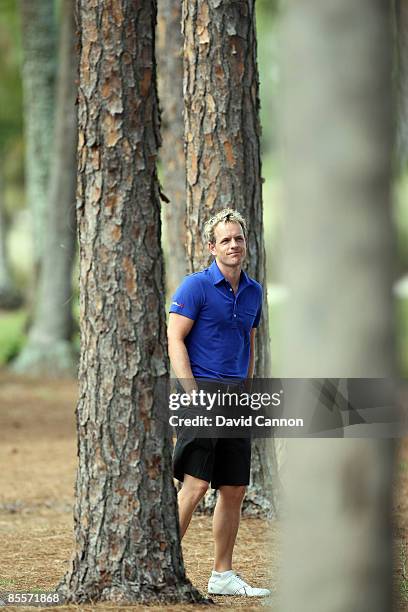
126, 528
338, 266
39, 71
401, 27
49, 350
170, 69
223, 164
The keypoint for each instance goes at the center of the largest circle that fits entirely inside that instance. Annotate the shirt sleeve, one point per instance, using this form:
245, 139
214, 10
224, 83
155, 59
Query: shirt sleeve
188, 298
259, 311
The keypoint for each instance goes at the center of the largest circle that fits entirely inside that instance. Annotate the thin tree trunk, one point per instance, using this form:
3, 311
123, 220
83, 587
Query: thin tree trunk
49, 349
170, 69
126, 528
5, 277
338, 266
39, 71
223, 164
9, 297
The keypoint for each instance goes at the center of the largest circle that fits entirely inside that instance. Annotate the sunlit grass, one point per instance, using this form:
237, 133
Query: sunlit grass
6, 583
12, 334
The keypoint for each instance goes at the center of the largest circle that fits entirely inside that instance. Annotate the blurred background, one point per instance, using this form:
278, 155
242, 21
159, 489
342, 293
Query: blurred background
31, 60
18, 268
39, 301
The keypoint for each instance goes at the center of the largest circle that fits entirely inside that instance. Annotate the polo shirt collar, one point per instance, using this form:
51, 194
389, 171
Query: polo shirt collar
218, 277
216, 273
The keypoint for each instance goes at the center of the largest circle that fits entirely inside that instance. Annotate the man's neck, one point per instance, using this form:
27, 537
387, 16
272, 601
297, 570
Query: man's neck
231, 274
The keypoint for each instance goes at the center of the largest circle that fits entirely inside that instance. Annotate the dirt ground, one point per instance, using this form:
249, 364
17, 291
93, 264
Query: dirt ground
38, 462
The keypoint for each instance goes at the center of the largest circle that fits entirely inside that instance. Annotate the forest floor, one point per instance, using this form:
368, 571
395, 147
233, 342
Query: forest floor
38, 463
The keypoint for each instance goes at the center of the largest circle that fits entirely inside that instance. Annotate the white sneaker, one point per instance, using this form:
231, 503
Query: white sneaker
230, 583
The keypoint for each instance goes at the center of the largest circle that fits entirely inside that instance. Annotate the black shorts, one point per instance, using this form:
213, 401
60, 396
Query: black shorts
220, 461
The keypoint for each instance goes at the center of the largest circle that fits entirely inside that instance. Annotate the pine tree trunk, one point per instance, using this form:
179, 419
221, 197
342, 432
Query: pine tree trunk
126, 528
39, 72
5, 278
338, 256
9, 297
170, 68
401, 23
49, 349
222, 132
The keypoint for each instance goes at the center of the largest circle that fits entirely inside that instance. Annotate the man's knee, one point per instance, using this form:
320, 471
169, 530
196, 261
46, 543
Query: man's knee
194, 488
233, 494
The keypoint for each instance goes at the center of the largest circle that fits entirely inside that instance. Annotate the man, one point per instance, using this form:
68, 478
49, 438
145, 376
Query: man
211, 333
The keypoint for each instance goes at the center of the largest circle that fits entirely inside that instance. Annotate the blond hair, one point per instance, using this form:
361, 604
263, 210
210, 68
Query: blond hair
227, 215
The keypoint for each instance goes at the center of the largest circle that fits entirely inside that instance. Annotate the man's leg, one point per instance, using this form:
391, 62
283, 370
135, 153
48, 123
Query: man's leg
232, 464
227, 515
192, 491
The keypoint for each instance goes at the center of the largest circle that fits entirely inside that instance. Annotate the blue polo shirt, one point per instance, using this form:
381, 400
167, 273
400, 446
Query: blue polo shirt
218, 344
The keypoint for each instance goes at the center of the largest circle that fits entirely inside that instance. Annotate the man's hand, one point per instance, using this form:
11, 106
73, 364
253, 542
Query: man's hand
178, 328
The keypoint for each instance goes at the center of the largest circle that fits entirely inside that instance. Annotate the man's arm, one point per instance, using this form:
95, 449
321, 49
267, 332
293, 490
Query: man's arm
178, 328
251, 366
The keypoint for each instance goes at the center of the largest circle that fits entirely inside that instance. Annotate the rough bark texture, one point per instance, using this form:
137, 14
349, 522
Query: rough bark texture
338, 266
39, 72
222, 132
49, 349
126, 529
170, 69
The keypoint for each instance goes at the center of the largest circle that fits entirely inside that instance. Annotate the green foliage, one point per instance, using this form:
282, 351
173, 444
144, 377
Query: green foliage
267, 8
403, 466
401, 217
401, 313
12, 335
277, 296
11, 100
13, 177
267, 21
272, 214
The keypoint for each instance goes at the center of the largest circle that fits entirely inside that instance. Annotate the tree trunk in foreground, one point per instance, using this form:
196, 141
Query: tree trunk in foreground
339, 270
49, 350
401, 27
170, 66
126, 528
222, 132
39, 42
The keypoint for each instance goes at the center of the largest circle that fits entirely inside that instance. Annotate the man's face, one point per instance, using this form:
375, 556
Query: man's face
229, 247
